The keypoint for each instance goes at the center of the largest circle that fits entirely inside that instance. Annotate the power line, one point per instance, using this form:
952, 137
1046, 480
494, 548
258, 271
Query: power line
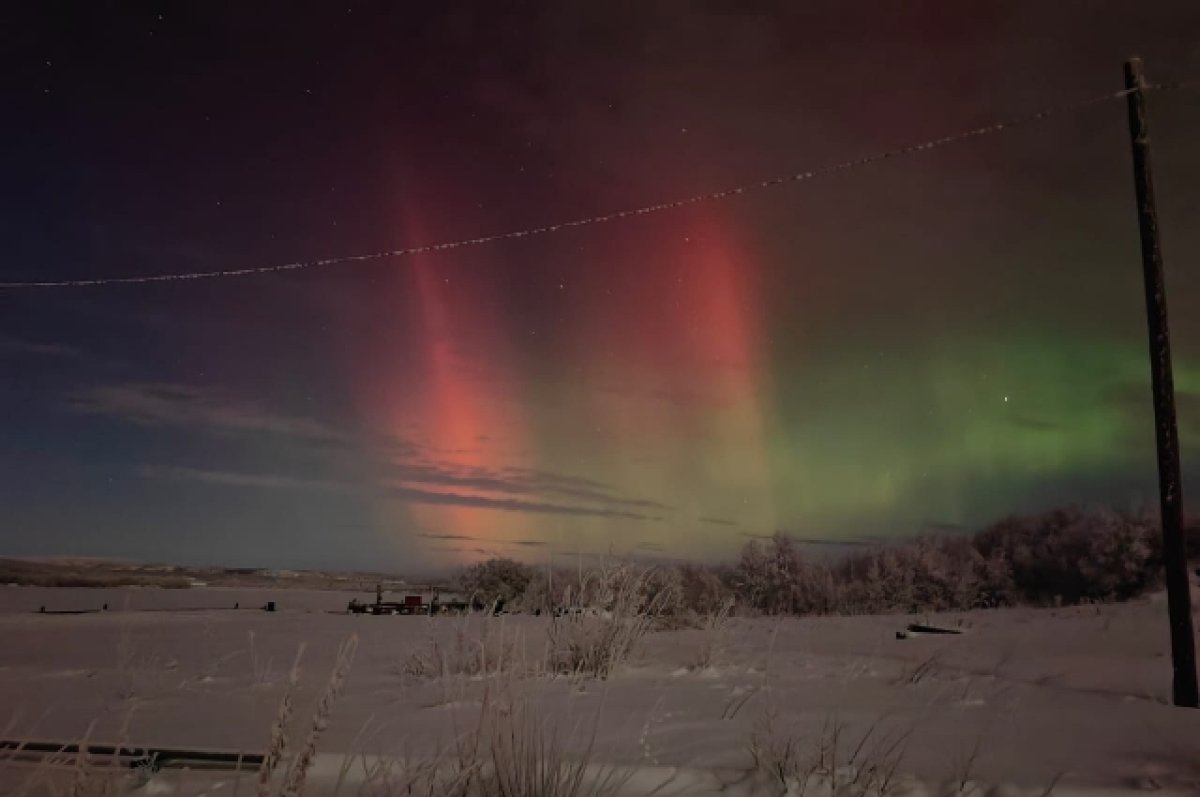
726, 193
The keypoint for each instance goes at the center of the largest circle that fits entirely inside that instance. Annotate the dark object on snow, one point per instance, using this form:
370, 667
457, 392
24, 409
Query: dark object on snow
152, 758
270, 607
104, 607
430, 602
918, 628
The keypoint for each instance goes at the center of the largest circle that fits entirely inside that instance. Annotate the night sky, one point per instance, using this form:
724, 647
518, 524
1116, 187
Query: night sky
930, 342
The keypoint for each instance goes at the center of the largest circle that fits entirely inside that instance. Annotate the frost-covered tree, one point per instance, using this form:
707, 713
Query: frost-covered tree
494, 580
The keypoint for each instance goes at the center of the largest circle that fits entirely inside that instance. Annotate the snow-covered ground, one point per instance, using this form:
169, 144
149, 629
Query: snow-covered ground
1024, 699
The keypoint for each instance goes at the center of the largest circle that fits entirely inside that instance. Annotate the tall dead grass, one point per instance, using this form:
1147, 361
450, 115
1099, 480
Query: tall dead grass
277, 744
713, 637
528, 757
610, 614
293, 783
512, 750
479, 646
830, 762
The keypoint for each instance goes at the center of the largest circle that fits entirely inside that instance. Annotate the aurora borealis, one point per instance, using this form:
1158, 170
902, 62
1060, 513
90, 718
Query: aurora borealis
929, 342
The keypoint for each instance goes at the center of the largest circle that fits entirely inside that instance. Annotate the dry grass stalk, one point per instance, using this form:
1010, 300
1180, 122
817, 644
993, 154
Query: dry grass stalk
488, 652
528, 758
260, 671
293, 784
713, 637
796, 766
964, 783
922, 670
611, 617
278, 743
738, 701
509, 751
83, 767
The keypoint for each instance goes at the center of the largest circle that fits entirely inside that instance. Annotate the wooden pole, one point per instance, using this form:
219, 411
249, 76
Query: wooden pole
1179, 604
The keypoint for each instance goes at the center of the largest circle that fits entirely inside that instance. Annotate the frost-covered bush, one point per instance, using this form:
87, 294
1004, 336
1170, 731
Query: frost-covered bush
496, 580
617, 604
702, 589
772, 576
1062, 556
1075, 554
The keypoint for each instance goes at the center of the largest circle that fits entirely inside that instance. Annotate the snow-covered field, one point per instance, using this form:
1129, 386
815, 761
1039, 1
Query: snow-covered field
1023, 700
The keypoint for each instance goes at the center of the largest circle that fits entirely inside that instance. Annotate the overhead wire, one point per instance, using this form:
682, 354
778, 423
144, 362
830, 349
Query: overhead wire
725, 193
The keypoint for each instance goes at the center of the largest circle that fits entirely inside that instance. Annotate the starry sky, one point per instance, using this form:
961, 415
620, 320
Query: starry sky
926, 343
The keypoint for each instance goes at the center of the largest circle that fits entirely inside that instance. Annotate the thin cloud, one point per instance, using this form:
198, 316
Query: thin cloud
846, 541
274, 480
518, 482
1035, 424
851, 541
173, 404
509, 504
942, 527
444, 548
411, 474
11, 345
754, 536
243, 479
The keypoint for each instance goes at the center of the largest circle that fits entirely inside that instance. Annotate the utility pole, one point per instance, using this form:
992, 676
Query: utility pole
1179, 604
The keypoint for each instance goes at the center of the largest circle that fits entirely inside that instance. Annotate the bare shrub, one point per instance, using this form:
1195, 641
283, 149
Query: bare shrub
774, 577
1061, 557
614, 609
496, 581
475, 649
713, 637
702, 589
528, 758
662, 587
512, 751
925, 575
545, 590
828, 763
1075, 554
422, 777
1067, 555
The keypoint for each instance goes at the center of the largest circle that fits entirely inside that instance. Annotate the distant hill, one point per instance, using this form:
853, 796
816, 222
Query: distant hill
77, 571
